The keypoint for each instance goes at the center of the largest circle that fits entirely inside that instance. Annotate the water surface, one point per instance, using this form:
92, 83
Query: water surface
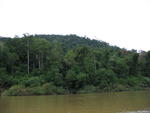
121, 102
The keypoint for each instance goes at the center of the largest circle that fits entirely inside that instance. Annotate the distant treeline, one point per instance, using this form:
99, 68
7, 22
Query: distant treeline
58, 64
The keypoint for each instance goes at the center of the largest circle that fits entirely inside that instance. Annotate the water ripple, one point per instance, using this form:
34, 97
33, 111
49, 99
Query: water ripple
145, 111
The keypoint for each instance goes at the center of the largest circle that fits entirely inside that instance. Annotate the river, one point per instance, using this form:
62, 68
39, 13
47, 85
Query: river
118, 102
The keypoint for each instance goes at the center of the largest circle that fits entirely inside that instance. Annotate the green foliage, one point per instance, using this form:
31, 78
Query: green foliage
31, 81
133, 81
56, 64
14, 91
119, 66
88, 89
146, 82
5, 80
105, 78
54, 75
45, 89
50, 88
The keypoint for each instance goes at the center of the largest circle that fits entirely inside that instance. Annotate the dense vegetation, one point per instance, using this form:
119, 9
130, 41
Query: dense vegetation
56, 64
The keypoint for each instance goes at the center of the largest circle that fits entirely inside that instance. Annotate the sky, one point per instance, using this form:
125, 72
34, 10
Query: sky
125, 23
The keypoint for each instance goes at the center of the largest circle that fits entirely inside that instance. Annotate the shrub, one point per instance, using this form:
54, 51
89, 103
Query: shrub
120, 87
31, 81
14, 91
36, 90
88, 89
146, 82
50, 88
133, 81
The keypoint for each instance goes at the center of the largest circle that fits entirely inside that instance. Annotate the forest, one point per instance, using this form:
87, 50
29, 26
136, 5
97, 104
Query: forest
69, 64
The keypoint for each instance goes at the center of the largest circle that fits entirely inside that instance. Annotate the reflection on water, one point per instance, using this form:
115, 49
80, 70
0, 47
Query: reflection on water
139, 111
121, 102
145, 111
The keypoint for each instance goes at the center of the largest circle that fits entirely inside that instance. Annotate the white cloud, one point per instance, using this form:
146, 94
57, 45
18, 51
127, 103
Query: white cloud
120, 22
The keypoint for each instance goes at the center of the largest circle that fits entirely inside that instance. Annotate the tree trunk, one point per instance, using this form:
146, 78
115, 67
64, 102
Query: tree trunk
39, 61
42, 61
28, 52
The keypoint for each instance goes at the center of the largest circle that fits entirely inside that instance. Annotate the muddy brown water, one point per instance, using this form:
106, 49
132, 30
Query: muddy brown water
119, 102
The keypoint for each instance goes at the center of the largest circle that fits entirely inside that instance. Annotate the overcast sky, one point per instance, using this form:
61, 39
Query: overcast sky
125, 23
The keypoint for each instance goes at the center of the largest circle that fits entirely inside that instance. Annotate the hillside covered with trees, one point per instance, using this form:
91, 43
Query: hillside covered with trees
64, 64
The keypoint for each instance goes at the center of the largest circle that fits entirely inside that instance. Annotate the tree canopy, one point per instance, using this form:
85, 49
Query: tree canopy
58, 64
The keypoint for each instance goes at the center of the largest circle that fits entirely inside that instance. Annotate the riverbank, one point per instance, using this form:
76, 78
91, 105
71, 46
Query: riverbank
49, 89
